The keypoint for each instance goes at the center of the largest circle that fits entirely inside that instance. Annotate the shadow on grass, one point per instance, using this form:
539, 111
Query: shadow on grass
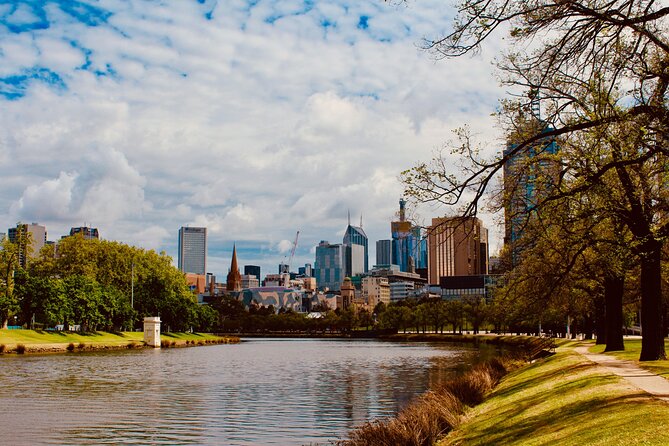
577, 417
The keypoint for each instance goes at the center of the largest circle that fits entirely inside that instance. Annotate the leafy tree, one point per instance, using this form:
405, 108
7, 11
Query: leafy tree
600, 69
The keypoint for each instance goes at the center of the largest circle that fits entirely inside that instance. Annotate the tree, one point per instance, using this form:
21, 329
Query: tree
601, 70
9, 263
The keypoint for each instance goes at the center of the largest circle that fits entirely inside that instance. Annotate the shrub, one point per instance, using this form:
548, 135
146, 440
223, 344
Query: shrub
81, 346
2, 348
20, 349
70, 347
434, 413
131, 345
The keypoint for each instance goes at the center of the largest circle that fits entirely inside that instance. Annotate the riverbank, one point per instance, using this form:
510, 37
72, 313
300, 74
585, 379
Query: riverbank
564, 399
32, 341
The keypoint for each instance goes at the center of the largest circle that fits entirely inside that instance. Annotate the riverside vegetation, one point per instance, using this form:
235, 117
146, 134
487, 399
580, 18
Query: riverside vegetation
559, 399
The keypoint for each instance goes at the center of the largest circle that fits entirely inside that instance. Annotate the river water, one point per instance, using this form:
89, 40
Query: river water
258, 392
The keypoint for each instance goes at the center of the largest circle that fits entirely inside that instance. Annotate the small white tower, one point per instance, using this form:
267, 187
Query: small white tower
152, 331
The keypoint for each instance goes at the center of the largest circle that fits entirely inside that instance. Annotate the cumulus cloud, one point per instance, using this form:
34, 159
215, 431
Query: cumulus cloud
252, 119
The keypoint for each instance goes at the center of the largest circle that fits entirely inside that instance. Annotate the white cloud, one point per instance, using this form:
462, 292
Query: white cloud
253, 129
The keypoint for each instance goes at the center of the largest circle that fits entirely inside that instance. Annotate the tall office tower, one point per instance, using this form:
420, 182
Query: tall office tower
529, 174
383, 252
37, 234
357, 250
329, 265
88, 232
457, 247
234, 282
408, 246
284, 268
252, 270
193, 250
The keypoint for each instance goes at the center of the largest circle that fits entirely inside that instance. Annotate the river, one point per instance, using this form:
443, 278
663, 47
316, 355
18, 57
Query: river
258, 392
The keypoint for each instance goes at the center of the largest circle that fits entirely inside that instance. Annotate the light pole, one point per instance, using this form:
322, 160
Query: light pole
132, 296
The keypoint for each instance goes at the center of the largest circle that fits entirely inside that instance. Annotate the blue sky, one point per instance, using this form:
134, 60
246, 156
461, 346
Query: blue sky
253, 118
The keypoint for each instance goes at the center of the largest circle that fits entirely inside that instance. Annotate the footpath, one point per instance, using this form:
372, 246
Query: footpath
635, 375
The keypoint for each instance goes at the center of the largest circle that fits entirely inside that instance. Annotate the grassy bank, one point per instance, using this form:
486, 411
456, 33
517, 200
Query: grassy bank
31, 341
563, 399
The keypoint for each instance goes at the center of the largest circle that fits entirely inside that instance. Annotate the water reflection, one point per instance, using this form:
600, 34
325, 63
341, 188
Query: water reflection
282, 392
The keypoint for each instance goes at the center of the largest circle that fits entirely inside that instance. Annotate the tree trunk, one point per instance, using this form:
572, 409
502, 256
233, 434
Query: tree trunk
613, 297
600, 318
652, 342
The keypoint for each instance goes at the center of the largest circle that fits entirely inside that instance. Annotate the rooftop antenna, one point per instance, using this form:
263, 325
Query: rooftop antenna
349, 217
361, 219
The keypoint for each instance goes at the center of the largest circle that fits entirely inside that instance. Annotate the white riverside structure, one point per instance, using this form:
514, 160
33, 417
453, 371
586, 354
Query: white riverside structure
152, 331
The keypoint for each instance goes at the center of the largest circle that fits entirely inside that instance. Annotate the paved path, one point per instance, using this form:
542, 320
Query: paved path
635, 375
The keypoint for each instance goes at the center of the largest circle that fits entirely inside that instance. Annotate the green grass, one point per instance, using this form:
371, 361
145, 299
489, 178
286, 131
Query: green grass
564, 400
632, 352
32, 337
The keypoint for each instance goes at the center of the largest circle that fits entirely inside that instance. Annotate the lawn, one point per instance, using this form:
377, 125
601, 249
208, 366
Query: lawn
564, 400
28, 337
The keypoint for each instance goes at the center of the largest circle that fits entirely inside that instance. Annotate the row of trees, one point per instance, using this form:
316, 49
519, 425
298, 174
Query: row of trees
424, 315
594, 227
98, 285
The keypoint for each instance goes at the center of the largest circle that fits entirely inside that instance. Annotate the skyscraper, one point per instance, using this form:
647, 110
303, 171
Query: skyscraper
329, 265
408, 245
193, 250
357, 250
37, 234
529, 174
457, 247
383, 252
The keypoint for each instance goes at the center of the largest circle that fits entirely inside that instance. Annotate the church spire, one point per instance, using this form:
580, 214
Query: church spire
233, 265
234, 282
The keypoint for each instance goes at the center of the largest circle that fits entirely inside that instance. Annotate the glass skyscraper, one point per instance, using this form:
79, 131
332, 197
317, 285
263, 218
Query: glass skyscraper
357, 249
409, 247
329, 265
193, 250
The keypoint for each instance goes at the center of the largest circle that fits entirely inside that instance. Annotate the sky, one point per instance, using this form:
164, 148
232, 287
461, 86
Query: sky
255, 119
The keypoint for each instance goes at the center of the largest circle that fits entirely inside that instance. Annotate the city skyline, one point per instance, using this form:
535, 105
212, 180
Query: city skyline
140, 119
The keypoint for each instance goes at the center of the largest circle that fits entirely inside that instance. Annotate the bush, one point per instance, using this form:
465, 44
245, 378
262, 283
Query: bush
20, 349
2, 348
70, 347
81, 346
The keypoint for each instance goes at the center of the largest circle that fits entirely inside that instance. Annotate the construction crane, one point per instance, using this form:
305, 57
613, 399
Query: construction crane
292, 251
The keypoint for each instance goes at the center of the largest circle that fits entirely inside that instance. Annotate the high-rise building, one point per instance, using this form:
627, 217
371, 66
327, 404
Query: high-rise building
284, 268
234, 282
37, 235
252, 270
409, 249
383, 252
457, 247
329, 265
87, 231
529, 174
193, 250
357, 250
